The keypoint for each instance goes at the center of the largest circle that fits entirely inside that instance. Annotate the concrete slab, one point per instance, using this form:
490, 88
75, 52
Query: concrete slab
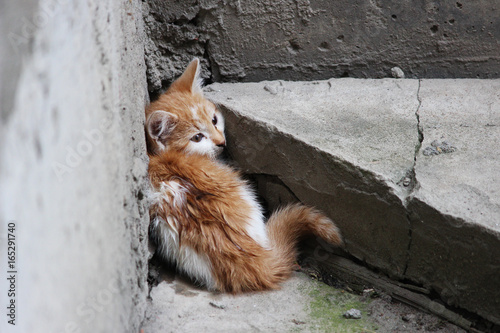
355, 149
464, 183
370, 123
456, 207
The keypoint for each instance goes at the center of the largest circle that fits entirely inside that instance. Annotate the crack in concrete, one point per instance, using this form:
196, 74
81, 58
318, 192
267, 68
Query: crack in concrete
413, 175
409, 181
420, 129
213, 67
410, 242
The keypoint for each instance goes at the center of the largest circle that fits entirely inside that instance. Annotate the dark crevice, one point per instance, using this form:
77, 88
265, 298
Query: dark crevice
186, 21
258, 179
410, 242
212, 65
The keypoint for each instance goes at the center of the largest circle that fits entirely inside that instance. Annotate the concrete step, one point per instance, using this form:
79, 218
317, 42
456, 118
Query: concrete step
408, 169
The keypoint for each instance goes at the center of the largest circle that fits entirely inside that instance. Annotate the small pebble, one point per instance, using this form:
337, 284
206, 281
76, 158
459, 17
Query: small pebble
429, 151
437, 148
397, 73
272, 90
447, 147
353, 314
406, 181
217, 305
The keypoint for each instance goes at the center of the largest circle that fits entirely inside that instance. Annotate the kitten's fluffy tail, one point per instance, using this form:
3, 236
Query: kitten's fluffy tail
288, 224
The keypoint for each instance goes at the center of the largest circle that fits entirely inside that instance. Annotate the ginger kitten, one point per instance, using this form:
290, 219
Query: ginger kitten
183, 120
204, 217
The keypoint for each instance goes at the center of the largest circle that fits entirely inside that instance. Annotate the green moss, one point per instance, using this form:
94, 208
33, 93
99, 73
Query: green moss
328, 306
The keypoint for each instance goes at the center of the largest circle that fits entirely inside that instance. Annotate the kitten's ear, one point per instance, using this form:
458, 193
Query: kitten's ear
190, 80
160, 124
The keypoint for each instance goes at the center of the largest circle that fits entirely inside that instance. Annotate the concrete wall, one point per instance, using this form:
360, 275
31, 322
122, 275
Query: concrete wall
73, 165
320, 39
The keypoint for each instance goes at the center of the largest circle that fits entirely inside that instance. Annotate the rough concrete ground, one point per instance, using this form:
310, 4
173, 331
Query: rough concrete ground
406, 168
302, 305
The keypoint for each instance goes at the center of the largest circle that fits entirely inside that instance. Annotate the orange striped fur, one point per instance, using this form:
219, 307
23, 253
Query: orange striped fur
204, 216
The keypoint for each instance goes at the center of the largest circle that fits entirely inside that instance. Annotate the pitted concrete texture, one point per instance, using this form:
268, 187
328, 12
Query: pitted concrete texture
406, 168
466, 114
73, 166
316, 39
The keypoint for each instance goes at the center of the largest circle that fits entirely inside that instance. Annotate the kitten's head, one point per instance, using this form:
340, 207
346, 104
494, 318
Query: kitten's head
183, 120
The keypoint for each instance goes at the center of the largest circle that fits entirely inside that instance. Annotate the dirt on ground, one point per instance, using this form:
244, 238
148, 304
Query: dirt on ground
304, 304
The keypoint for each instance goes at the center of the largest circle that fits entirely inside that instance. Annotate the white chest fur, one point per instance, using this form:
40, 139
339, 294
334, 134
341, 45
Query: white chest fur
195, 265
188, 261
255, 228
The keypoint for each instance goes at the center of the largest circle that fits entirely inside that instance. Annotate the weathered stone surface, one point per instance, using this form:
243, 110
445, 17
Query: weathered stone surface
73, 167
463, 183
301, 305
456, 209
318, 39
354, 148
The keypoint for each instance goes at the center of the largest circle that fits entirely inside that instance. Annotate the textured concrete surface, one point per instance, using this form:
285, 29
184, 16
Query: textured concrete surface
302, 305
318, 39
355, 149
73, 166
11, 27
455, 212
178, 306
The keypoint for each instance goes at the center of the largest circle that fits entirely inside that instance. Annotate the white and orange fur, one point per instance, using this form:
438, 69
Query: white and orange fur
204, 217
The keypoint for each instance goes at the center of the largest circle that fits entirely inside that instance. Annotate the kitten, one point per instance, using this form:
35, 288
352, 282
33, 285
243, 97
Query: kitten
184, 119
204, 216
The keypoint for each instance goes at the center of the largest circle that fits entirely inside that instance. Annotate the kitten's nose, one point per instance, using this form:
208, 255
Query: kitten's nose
221, 143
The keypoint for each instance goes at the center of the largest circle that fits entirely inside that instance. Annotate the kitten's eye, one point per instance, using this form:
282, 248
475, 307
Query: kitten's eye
214, 120
197, 137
